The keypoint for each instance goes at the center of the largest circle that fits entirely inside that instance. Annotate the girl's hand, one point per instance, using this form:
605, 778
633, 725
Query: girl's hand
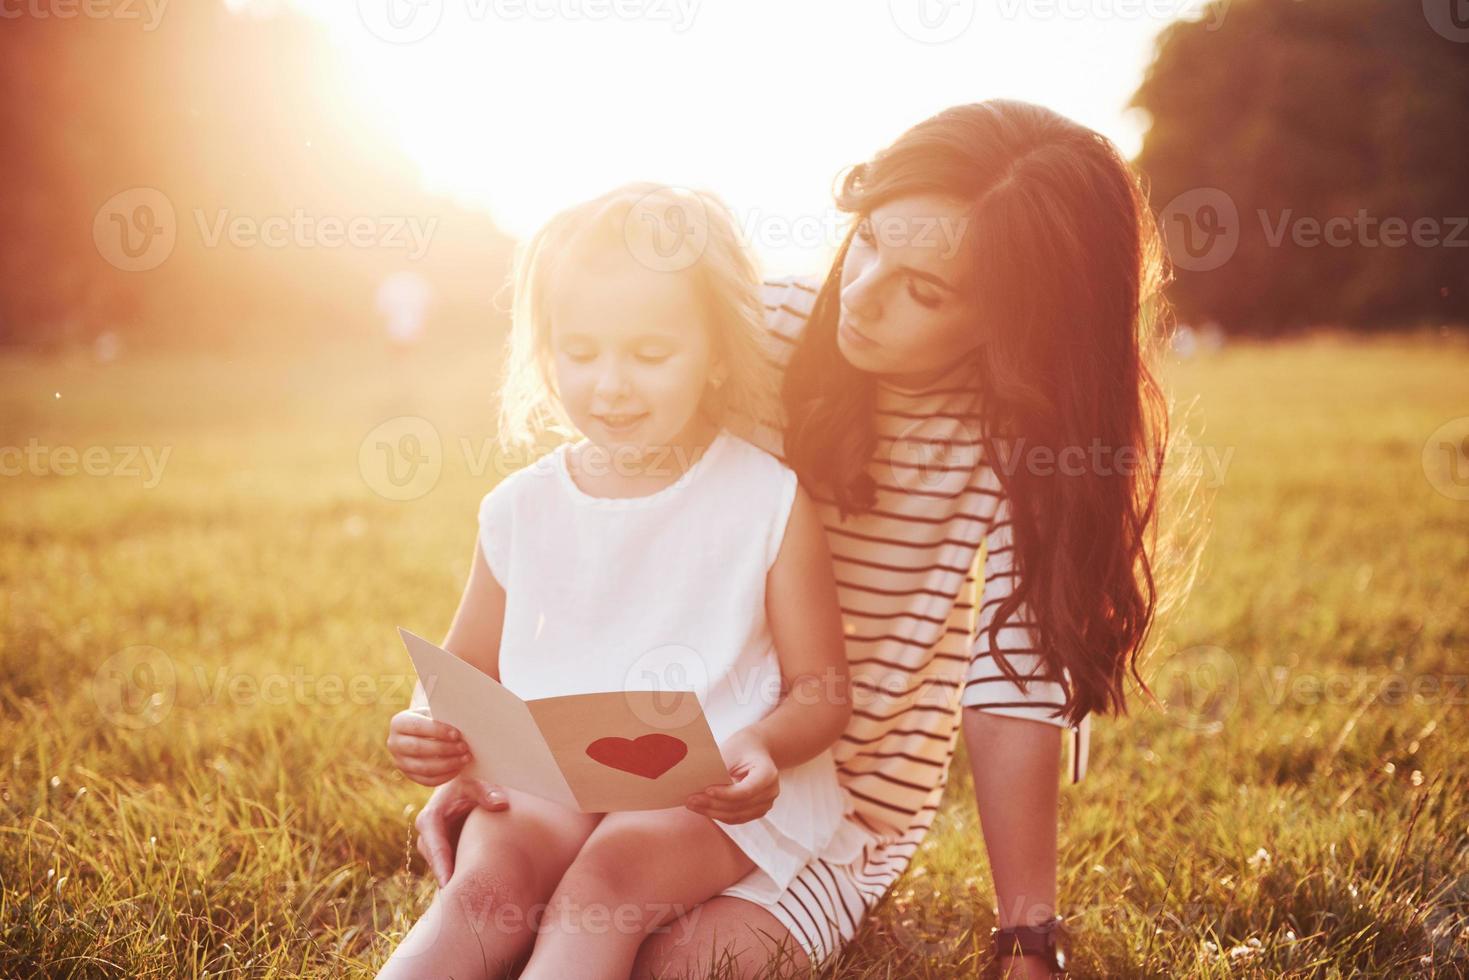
428, 752
757, 783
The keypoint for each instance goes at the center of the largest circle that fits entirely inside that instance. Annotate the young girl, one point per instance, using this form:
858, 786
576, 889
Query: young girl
659, 551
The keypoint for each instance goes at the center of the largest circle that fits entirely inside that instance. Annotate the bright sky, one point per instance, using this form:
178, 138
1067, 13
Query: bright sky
521, 106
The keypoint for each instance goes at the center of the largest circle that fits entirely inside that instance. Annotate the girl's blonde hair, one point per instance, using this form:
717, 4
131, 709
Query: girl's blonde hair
667, 229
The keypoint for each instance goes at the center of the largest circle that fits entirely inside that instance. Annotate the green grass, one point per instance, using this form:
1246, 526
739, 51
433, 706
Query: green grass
250, 822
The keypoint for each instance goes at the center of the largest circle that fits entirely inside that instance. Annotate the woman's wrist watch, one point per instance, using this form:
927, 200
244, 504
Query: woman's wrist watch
1046, 940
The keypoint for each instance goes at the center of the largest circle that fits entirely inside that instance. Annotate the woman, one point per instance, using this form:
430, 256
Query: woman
972, 370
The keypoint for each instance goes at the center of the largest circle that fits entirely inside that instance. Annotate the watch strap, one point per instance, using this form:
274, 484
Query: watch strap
1030, 940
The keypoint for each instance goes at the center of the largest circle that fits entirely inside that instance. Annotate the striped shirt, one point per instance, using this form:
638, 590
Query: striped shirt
916, 576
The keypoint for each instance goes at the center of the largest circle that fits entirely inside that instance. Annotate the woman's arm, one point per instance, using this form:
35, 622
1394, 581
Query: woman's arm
1016, 765
1013, 738
806, 623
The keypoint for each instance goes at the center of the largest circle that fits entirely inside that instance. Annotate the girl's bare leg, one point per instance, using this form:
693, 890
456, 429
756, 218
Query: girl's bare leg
636, 872
483, 923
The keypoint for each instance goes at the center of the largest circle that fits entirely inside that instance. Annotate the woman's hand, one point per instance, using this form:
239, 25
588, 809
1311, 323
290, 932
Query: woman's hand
442, 818
426, 751
757, 782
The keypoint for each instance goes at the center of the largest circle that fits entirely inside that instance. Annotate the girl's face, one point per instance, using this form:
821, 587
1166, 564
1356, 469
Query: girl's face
906, 312
631, 352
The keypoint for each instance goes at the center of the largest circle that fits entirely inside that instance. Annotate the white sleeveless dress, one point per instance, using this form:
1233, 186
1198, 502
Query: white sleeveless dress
665, 592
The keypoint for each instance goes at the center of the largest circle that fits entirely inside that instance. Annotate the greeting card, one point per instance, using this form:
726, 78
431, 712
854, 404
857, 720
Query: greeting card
597, 752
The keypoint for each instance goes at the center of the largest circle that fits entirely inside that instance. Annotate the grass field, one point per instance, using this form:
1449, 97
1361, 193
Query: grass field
199, 663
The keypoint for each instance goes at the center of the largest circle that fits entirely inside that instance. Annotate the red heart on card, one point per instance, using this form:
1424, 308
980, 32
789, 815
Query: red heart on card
647, 755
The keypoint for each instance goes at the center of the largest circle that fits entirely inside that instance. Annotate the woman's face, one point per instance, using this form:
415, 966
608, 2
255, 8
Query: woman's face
906, 310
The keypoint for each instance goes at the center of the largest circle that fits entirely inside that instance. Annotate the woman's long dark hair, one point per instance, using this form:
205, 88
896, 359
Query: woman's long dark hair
1067, 269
